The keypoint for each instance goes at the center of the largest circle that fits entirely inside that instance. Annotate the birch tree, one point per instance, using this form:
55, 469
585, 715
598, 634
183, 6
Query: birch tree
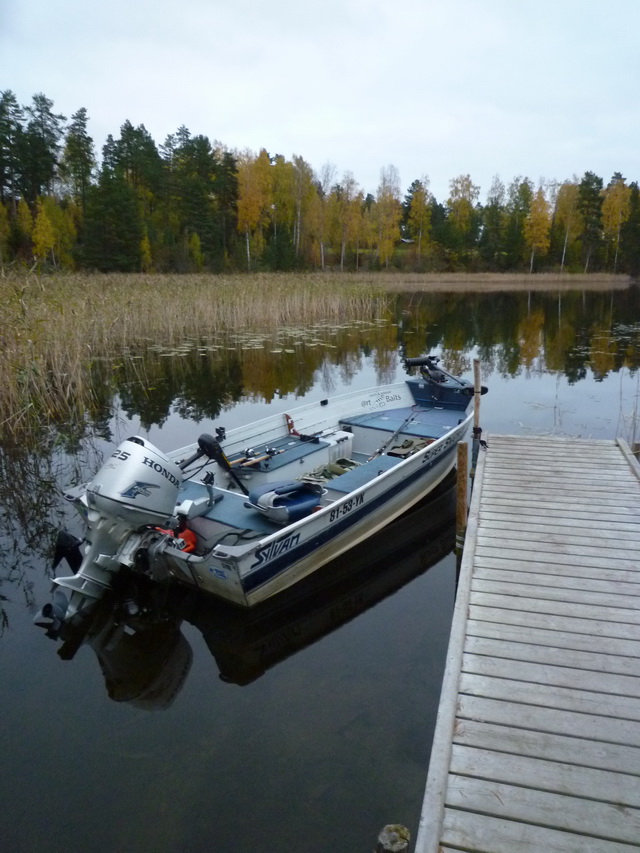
24, 229
304, 193
43, 235
254, 198
567, 215
463, 197
537, 226
345, 205
419, 213
491, 243
616, 206
387, 214
324, 184
282, 211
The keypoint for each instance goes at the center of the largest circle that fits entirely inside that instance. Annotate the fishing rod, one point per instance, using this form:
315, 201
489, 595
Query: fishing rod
393, 437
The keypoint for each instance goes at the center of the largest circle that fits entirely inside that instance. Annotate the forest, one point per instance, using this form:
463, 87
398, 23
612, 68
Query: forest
190, 204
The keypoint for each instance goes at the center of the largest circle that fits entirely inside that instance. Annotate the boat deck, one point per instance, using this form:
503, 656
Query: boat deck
431, 422
230, 512
537, 743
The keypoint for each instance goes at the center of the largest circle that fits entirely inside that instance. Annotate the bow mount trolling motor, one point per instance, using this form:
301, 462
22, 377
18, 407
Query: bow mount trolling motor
441, 385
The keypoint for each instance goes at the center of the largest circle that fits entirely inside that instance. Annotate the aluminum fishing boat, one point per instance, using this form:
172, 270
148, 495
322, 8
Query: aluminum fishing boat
252, 511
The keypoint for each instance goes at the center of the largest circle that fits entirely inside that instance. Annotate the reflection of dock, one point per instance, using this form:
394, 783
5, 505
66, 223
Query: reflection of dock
537, 743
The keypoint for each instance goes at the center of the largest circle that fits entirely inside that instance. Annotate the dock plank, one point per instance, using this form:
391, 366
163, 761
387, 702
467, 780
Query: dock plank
537, 743
478, 832
591, 818
547, 775
558, 656
580, 723
579, 751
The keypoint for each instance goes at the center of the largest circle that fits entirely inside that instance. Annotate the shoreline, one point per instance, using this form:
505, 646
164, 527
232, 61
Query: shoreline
494, 282
388, 282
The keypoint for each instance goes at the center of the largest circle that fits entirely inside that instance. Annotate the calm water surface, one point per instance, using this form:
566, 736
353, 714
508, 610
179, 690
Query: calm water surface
309, 728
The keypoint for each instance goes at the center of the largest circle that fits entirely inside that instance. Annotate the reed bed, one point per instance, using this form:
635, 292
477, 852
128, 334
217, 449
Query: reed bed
54, 330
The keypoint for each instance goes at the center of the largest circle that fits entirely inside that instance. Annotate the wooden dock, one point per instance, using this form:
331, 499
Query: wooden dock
537, 742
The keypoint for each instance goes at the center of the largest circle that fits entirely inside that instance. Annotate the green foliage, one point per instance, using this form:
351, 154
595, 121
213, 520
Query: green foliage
590, 207
78, 159
11, 148
519, 198
491, 246
40, 143
113, 228
630, 236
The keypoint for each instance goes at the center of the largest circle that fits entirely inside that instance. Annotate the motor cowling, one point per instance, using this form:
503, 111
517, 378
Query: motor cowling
137, 483
136, 487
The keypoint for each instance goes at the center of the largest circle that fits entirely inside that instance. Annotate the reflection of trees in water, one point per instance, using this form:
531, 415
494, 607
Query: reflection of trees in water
569, 332
199, 381
31, 511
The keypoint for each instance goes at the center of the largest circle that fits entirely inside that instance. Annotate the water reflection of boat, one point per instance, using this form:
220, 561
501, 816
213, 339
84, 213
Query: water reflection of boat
282, 499
145, 657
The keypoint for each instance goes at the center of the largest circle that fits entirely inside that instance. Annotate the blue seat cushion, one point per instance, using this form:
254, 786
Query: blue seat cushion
285, 502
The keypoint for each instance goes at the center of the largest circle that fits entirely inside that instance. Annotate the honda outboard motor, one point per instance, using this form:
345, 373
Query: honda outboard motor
136, 487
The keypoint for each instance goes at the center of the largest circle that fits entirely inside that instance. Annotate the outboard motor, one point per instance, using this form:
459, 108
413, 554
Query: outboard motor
136, 487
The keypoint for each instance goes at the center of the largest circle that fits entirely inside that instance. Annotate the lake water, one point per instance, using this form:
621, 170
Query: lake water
307, 728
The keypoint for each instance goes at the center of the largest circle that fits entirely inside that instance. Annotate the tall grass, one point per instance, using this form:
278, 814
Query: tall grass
53, 330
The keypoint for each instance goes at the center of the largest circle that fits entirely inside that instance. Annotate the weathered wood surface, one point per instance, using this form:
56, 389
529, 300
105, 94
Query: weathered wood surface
537, 743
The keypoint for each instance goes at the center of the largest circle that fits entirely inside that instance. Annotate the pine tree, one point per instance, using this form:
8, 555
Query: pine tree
226, 201
40, 146
590, 207
113, 228
78, 159
11, 148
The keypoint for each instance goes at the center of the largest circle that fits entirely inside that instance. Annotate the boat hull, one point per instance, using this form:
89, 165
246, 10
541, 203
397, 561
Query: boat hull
279, 499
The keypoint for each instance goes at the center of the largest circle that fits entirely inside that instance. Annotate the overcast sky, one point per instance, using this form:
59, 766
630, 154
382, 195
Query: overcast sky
538, 88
